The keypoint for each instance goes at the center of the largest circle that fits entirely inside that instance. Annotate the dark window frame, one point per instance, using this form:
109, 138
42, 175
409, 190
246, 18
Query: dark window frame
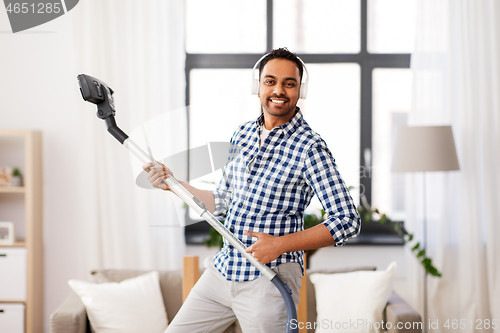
367, 62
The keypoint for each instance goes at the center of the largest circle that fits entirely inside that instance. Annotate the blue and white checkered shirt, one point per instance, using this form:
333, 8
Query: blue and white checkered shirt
292, 165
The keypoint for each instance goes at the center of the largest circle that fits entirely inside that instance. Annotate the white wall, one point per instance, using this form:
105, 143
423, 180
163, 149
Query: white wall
38, 90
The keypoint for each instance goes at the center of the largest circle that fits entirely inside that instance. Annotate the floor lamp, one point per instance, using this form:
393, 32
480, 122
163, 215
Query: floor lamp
424, 149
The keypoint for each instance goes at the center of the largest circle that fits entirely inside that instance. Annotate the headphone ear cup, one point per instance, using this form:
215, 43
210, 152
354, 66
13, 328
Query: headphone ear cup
255, 85
255, 76
303, 90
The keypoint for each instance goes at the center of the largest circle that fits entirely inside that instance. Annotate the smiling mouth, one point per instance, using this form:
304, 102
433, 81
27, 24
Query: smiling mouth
277, 101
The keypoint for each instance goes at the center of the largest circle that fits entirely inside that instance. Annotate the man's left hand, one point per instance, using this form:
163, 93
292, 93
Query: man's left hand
266, 249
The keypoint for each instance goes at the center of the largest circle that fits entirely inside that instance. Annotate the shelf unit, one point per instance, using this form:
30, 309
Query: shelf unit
31, 225
12, 189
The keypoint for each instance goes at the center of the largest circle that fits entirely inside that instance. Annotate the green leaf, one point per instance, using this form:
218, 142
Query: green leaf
421, 253
415, 247
214, 239
434, 272
310, 220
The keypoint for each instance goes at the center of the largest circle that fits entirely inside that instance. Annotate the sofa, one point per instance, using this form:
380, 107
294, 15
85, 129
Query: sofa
71, 317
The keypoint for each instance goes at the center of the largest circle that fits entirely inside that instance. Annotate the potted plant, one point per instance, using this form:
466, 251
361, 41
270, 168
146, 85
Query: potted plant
16, 179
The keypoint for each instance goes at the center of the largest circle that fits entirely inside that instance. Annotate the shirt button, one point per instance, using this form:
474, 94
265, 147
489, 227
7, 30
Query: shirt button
241, 205
232, 228
249, 181
230, 250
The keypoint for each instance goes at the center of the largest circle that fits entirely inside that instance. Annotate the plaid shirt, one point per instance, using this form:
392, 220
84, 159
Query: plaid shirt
292, 165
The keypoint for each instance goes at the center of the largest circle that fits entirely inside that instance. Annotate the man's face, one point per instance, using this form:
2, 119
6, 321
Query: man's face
279, 88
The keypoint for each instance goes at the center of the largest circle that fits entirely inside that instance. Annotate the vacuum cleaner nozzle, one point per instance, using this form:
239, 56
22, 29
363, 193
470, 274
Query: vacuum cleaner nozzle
97, 92
92, 88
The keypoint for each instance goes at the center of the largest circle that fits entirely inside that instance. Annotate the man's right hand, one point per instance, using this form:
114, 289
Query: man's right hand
157, 174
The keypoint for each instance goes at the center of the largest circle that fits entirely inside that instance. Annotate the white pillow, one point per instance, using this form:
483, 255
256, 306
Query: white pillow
131, 306
352, 302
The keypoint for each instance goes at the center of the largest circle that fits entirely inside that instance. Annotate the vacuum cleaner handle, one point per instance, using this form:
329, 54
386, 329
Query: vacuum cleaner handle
199, 207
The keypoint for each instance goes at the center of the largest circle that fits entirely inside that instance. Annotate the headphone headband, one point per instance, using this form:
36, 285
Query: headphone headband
303, 84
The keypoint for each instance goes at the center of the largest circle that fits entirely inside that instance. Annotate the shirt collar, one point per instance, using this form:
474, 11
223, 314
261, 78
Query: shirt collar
289, 127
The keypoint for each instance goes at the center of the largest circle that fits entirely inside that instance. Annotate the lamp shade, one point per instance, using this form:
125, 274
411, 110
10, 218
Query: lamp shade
424, 148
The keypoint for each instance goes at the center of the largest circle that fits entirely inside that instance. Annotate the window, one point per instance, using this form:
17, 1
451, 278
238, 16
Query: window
358, 57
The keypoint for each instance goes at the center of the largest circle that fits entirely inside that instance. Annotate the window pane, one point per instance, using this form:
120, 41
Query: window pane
332, 109
220, 101
224, 26
391, 26
317, 26
391, 104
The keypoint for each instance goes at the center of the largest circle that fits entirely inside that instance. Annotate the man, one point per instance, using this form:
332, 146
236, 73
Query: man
262, 196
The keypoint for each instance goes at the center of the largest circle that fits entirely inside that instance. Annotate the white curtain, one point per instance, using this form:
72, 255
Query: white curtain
137, 48
456, 68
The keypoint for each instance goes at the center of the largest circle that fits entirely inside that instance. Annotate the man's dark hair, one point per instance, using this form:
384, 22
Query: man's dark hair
281, 53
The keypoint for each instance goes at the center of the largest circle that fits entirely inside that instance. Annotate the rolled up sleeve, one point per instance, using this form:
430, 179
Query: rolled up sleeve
321, 173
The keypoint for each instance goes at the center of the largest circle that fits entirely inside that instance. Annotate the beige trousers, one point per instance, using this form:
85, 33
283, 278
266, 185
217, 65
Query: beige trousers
215, 303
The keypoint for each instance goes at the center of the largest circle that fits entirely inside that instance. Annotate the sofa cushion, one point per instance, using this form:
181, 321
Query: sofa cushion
170, 285
311, 295
352, 302
130, 306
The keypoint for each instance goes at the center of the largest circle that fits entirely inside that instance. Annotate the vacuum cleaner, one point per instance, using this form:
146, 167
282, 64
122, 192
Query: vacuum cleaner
97, 92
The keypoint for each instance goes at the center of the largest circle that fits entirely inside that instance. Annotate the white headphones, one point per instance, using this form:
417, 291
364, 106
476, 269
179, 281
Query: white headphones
255, 78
